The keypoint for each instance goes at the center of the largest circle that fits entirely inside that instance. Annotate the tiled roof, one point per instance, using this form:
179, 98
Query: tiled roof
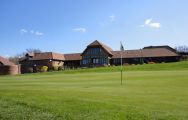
5, 61
146, 52
48, 56
75, 56
105, 47
154, 52
54, 56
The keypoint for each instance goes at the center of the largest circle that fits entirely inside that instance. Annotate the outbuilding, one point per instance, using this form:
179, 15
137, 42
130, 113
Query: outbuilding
7, 67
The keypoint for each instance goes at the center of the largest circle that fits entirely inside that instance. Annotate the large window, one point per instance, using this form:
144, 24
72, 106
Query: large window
95, 56
95, 60
85, 61
93, 51
117, 61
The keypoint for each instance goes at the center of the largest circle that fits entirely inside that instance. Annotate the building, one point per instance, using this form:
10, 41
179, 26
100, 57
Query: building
98, 54
34, 61
72, 60
7, 67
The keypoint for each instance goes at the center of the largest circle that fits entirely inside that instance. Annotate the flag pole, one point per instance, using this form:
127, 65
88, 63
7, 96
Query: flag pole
121, 49
121, 69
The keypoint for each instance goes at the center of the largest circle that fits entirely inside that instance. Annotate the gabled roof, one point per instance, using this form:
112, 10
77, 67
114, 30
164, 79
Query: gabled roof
97, 43
5, 61
48, 56
151, 52
160, 46
157, 52
74, 56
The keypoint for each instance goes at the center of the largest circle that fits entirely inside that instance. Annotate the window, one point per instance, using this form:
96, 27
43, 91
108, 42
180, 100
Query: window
95, 61
95, 56
117, 61
84, 61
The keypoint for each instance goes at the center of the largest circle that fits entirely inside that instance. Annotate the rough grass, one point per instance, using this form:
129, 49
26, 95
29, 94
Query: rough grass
145, 67
144, 95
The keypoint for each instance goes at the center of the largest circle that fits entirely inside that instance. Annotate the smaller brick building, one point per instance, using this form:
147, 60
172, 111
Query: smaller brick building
7, 67
33, 61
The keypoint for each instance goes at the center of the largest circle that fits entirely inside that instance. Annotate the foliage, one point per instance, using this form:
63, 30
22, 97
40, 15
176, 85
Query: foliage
15, 59
60, 68
182, 49
151, 62
55, 68
30, 70
44, 69
33, 50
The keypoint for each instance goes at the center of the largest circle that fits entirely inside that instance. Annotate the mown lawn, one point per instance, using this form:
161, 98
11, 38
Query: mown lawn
144, 95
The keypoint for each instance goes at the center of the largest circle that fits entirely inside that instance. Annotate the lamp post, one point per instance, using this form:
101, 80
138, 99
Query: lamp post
50, 63
35, 68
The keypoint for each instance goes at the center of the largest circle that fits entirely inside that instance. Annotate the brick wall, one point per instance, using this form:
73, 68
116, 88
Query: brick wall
9, 70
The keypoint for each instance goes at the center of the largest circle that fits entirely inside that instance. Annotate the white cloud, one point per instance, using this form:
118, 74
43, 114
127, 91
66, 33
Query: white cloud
150, 23
79, 29
32, 32
108, 21
112, 18
38, 33
23, 31
155, 25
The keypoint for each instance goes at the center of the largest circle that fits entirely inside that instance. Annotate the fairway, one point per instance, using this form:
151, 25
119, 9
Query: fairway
144, 95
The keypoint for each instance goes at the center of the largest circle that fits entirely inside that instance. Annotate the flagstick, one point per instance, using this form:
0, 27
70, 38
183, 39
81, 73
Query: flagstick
121, 68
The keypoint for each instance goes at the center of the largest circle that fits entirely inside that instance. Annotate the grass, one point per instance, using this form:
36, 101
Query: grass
89, 94
146, 67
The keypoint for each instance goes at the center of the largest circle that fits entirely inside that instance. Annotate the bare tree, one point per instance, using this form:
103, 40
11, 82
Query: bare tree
183, 49
33, 50
15, 59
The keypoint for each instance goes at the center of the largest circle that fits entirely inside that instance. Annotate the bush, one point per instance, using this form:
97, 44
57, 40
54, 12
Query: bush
44, 69
60, 68
151, 62
55, 68
126, 64
30, 70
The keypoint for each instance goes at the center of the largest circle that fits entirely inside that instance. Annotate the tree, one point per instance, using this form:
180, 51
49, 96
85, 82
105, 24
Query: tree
183, 49
15, 59
33, 50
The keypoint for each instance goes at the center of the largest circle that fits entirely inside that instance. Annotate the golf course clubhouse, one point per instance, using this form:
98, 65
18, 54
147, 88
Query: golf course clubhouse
98, 54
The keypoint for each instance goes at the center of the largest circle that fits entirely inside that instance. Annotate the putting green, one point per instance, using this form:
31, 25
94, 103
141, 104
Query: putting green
144, 95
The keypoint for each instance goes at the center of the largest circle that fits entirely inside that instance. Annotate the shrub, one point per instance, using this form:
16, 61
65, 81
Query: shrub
151, 62
30, 70
60, 68
44, 69
126, 64
55, 68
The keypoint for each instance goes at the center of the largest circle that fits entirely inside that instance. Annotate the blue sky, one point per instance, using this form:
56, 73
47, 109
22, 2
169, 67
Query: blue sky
68, 26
